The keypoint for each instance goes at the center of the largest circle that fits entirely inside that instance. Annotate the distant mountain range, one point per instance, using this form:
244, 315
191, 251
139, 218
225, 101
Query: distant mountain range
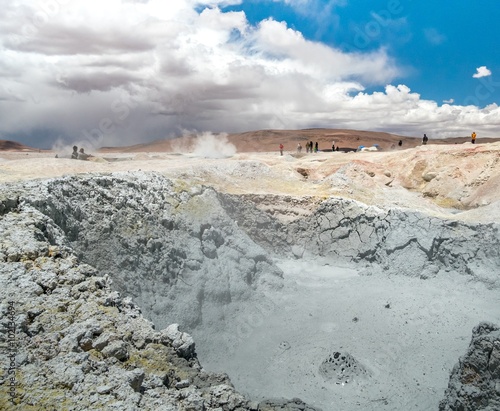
269, 140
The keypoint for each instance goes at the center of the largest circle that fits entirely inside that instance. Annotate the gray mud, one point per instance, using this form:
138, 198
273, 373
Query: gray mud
405, 334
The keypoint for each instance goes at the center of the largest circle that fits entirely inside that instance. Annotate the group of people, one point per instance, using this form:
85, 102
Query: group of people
425, 139
310, 147
313, 148
79, 155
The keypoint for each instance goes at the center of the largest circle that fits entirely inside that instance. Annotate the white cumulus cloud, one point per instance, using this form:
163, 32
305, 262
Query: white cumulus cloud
482, 71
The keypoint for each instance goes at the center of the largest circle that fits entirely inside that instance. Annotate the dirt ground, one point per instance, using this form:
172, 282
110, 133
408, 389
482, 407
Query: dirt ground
462, 179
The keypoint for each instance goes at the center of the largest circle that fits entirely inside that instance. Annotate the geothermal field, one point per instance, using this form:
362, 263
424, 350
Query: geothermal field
350, 281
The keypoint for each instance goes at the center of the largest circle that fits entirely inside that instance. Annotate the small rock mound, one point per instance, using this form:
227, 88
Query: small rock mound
475, 381
295, 404
342, 368
303, 172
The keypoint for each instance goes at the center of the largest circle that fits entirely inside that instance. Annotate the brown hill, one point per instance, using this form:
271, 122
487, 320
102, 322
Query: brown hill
269, 140
8, 145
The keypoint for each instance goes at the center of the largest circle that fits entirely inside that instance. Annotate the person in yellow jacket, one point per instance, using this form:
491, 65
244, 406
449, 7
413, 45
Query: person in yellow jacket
473, 137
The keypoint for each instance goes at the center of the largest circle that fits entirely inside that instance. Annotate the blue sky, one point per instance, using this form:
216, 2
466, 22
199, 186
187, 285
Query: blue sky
123, 71
438, 46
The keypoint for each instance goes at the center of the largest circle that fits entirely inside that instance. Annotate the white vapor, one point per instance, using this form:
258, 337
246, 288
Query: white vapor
209, 145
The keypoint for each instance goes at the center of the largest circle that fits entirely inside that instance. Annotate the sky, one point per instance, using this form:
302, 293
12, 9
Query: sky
120, 72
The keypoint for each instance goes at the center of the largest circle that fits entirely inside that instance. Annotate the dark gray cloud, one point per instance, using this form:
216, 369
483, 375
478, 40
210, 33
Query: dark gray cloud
59, 40
96, 81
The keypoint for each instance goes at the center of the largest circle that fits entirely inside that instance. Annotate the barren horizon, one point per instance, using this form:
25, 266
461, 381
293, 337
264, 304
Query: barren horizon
263, 140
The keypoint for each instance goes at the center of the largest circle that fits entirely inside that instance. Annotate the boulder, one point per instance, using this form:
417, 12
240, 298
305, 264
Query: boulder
475, 381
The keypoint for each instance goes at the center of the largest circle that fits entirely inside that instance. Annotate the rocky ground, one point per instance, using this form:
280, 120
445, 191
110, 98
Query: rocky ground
475, 380
194, 241
439, 178
74, 343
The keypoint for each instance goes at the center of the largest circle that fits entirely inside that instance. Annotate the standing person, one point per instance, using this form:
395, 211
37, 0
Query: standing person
333, 146
425, 139
311, 146
281, 149
316, 147
473, 137
299, 148
400, 143
74, 154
